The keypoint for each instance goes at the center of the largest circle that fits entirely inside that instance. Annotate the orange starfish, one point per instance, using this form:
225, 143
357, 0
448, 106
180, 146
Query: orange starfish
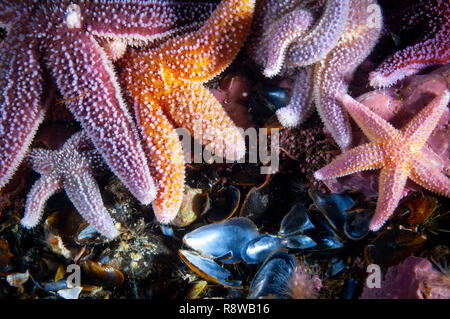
398, 153
165, 85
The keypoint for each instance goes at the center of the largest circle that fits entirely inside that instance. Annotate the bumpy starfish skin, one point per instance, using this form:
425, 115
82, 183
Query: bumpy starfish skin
396, 152
63, 36
165, 84
275, 26
69, 168
434, 49
290, 26
315, 45
323, 56
332, 74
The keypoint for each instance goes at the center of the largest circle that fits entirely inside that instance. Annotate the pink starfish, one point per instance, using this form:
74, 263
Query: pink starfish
71, 168
64, 39
396, 152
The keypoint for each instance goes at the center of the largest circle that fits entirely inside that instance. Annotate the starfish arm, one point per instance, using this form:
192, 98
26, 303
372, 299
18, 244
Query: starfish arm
20, 85
433, 47
300, 106
115, 49
390, 189
325, 35
203, 54
332, 72
166, 159
83, 192
327, 86
103, 115
82, 144
194, 108
373, 126
266, 13
429, 175
277, 39
141, 21
39, 160
411, 60
9, 14
363, 157
273, 10
422, 125
41, 191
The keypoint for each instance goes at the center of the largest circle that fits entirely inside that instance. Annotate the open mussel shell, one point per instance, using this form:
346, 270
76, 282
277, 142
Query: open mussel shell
196, 289
102, 274
258, 249
194, 203
332, 207
356, 225
223, 241
222, 204
295, 221
258, 199
208, 269
273, 276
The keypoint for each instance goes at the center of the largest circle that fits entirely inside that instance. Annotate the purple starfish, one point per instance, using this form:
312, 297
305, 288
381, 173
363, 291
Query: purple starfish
71, 167
63, 38
432, 48
319, 44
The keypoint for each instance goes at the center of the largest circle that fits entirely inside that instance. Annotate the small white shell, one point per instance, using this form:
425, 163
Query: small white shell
70, 293
17, 279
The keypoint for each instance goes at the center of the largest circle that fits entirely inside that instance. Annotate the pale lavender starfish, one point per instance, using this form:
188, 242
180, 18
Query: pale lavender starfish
321, 43
59, 41
70, 168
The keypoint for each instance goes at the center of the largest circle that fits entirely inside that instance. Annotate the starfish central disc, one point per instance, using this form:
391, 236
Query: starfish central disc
166, 86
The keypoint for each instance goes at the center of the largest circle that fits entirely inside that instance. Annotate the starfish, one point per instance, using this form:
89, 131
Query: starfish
69, 168
322, 55
398, 153
433, 48
166, 87
63, 38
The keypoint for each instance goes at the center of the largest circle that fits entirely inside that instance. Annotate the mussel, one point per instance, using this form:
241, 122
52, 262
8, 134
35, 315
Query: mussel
273, 276
208, 268
295, 221
338, 216
259, 248
223, 241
